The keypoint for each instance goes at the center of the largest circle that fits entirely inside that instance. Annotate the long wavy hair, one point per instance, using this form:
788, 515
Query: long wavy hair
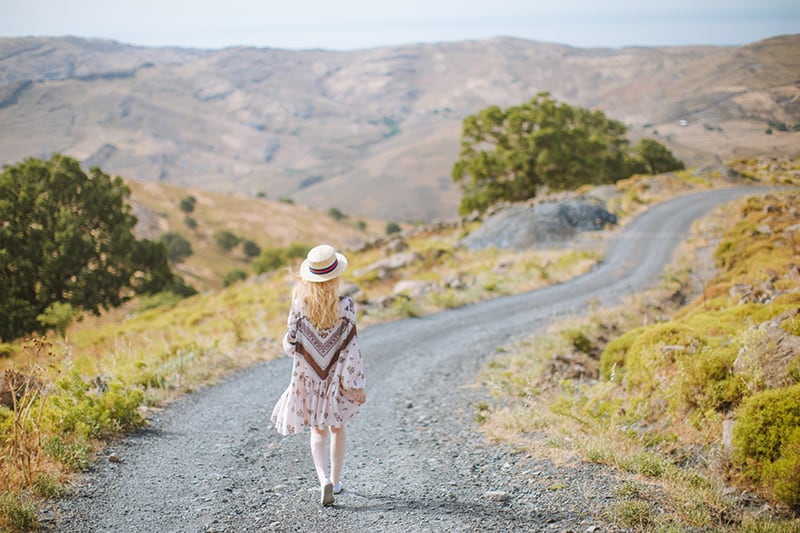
320, 301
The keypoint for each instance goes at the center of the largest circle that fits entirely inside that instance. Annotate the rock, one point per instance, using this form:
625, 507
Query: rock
114, 458
521, 227
412, 288
496, 495
392, 262
727, 433
459, 281
395, 246
349, 289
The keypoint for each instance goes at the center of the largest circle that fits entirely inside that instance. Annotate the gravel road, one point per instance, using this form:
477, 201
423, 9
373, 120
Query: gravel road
212, 461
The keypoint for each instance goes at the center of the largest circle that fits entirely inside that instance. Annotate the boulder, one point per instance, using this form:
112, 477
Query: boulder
520, 227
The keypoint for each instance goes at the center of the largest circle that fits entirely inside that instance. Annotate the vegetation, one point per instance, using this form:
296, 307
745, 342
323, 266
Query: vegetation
67, 237
104, 376
509, 155
187, 204
178, 247
226, 239
668, 388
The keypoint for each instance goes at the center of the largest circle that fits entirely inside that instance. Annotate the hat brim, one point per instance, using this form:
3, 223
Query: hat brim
306, 274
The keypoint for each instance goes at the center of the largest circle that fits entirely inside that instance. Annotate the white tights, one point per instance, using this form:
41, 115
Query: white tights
319, 438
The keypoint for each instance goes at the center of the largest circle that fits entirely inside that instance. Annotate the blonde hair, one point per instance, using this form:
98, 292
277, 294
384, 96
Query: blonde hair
320, 301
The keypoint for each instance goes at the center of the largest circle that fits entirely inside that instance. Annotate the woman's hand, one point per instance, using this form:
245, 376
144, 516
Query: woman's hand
356, 395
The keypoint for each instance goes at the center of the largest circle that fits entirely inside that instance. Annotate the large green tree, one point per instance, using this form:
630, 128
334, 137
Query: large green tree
510, 154
66, 236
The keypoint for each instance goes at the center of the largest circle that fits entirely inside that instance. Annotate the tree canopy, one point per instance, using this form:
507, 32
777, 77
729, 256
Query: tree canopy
66, 236
509, 154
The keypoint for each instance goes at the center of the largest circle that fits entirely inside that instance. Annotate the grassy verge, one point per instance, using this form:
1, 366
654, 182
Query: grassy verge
692, 400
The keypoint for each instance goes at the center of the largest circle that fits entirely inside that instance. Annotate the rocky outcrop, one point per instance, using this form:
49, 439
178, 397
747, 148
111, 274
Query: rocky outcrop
521, 227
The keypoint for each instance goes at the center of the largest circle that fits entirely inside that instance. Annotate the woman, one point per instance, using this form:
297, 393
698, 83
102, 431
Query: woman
327, 385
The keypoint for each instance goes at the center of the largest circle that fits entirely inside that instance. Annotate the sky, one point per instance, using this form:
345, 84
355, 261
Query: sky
357, 24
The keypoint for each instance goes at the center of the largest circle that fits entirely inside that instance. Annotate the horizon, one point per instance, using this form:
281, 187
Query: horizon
359, 24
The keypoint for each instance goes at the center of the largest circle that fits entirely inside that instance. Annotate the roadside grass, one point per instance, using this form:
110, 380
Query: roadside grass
650, 386
107, 374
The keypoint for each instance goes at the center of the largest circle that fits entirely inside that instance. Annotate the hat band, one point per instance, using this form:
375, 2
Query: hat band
327, 270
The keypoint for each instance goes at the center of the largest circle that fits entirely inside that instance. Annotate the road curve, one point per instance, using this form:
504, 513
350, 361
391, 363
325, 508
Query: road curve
212, 462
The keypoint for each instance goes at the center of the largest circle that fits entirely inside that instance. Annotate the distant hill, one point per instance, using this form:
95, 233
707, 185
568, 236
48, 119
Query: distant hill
370, 132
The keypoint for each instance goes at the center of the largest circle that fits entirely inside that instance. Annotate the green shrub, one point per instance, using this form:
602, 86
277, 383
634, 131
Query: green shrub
251, 249
233, 276
80, 409
178, 247
226, 240
187, 204
6, 350
766, 441
613, 356
17, 514
58, 315
268, 260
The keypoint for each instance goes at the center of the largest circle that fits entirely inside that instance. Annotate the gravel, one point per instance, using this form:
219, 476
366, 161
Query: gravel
211, 461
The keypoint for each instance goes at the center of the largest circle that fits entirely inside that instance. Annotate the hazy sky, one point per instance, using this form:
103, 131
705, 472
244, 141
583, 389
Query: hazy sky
350, 24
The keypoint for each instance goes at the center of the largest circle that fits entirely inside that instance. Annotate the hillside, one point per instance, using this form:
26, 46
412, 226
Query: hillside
370, 132
268, 223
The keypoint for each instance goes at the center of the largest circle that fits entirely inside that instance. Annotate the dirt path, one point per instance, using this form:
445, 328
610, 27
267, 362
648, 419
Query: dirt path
213, 462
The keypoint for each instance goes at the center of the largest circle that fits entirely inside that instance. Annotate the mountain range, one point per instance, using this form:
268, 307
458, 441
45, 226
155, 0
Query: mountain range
372, 133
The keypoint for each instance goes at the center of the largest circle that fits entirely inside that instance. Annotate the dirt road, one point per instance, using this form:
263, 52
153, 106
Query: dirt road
212, 461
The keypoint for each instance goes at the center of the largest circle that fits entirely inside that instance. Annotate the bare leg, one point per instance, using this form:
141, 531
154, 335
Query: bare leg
337, 453
319, 438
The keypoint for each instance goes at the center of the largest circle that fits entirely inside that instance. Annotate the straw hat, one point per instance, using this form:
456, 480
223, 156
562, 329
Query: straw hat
323, 263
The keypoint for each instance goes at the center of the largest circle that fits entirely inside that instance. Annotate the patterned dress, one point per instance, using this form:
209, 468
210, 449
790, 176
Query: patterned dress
327, 364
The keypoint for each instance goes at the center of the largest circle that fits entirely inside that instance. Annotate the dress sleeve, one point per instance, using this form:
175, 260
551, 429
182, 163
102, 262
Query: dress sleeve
290, 337
353, 371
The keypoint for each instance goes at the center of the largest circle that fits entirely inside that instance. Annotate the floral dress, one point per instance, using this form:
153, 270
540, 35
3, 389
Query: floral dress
327, 365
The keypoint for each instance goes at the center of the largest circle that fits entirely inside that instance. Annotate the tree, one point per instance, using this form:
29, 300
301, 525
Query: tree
226, 240
66, 236
656, 158
178, 247
508, 155
251, 249
187, 204
336, 214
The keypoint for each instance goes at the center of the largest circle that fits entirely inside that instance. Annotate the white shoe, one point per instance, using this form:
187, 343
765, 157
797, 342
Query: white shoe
338, 488
326, 494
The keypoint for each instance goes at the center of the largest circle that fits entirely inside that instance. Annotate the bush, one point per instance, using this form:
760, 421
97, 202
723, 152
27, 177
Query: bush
226, 240
336, 214
268, 260
392, 227
89, 412
178, 247
187, 204
233, 276
58, 315
190, 222
17, 514
251, 249
766, 441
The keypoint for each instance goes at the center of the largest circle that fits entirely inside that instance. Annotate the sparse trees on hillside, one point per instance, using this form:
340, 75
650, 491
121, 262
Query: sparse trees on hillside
509, 155
66, 236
